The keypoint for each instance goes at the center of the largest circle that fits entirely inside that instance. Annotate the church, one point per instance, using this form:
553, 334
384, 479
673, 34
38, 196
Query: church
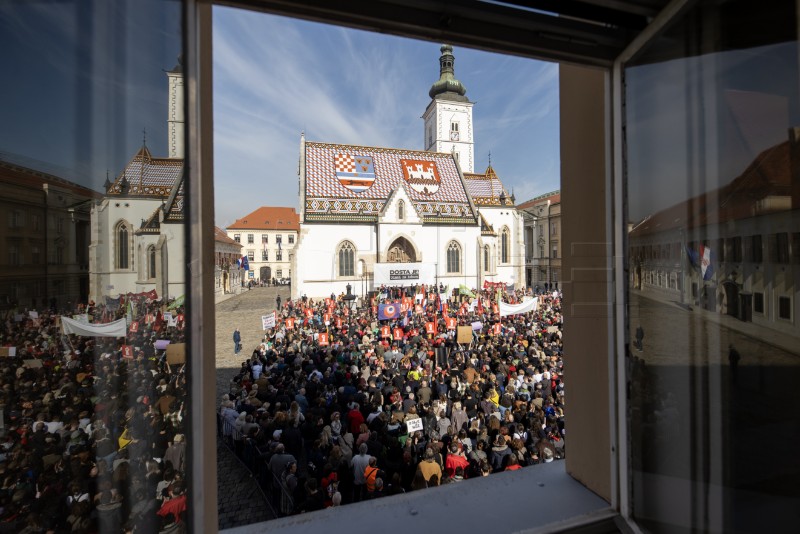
400, 217
138, 228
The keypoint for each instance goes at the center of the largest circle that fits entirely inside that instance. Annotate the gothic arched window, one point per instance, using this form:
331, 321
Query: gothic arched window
486, 258
123, 252
505, 241
347, 255
401, 211
453, 257
151, 262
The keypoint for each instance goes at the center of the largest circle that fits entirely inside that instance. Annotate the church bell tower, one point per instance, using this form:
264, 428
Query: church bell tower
448, 117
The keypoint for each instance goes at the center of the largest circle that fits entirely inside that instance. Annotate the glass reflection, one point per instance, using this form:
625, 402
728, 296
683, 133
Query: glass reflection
92, 372
713, 185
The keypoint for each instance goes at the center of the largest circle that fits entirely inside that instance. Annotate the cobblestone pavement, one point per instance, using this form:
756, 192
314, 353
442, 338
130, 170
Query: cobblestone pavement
240, 502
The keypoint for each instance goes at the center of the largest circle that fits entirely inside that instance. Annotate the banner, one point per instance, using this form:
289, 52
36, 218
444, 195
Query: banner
268, 321
322, 339
464, 334
404, 274
514, 309
414, 425
290, 323
118, 328
388, 311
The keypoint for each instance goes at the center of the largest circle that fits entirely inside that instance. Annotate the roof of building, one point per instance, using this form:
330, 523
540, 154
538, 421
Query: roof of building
268, 218
27, 177
553, 196
146, 176
763, 187
486, 189
353, 183
221, 237
448, 87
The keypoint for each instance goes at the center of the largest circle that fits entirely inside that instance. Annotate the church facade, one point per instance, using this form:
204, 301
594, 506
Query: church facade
372, 216
137, 241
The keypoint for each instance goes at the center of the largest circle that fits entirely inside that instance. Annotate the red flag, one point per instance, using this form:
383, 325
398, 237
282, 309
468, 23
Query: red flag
339, 323
497, 328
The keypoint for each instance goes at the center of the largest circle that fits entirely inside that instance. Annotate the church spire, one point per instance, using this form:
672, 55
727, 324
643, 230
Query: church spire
447, 85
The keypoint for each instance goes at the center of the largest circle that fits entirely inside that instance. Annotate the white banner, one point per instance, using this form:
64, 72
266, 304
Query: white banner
414, 425
268, 321
514, 309
118, 328
405, 274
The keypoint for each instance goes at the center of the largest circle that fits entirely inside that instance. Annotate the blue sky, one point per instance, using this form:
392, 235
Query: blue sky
275, 78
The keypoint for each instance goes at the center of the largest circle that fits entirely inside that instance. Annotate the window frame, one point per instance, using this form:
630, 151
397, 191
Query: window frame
345, 247
453, 245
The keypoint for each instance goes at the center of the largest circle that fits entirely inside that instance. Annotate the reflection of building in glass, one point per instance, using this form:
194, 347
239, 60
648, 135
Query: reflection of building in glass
44, 237
227, 274
542, 239
693, 252
137, 238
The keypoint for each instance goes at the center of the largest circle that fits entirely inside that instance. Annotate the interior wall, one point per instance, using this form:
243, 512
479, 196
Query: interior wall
587, 252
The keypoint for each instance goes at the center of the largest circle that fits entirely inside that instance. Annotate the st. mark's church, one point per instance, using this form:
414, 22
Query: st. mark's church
372, 216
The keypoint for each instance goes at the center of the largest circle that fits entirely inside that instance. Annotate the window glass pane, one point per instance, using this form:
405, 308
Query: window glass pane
712, 122
91, 177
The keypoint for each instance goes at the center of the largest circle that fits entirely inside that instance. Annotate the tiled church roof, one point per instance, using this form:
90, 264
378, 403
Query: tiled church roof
146, 176
486, 189
327, 198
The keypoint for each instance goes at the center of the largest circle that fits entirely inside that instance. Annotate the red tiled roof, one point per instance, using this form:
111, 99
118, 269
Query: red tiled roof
24, 176
328, 199
769, 175
221, 237
268, 218
554, 198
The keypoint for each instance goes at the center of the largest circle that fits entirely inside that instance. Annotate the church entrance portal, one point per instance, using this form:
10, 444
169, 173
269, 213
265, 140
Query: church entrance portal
401, 251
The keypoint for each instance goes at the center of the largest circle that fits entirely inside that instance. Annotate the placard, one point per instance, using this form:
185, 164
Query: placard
32, 364
268, 321
398, 334
290, 323
430, 328
6, 352
323, 339
451, 323
464, 334
414, 425
176, 353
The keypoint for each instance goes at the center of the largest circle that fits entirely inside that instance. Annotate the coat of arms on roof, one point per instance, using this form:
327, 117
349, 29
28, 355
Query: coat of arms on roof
421, 175
356, 173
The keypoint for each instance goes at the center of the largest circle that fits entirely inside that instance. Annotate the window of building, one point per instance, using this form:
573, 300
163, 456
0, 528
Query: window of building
264, 255
251, 255
36, 257
16, 219
505, 244
264, 239
796, 247
347, 256
554, 252
279, 240
237, 238
250, 239
36, 221
758, 302
736, 249
59, 255
553, 228
279, 255
781, 241
401, 211
291, 239
720, 252
60, 225
453, 257
785, 308
454, 128
755, 253
13, 253
541, 251
151, 262
486, 258
123, 246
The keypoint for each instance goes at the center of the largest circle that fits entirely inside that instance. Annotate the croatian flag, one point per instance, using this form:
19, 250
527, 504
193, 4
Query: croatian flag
244, 264
702, 259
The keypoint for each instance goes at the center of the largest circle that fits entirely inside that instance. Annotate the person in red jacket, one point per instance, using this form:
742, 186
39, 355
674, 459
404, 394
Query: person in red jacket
355, 418
176, 506
455, 459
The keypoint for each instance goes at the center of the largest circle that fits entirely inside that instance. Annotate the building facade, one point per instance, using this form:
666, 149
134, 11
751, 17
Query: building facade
268, 237
363, 209
44, 237
542, 236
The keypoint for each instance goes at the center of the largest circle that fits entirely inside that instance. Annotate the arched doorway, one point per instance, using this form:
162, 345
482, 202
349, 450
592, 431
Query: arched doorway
265, 274
401, 251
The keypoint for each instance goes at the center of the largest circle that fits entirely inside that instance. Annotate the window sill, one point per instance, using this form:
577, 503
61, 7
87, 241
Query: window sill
501, 501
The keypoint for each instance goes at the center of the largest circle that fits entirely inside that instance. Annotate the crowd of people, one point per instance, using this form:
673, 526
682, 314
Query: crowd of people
92, 437
342, 406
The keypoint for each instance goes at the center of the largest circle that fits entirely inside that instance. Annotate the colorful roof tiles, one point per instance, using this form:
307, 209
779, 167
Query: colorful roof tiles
146, 176
353, 183
486, 189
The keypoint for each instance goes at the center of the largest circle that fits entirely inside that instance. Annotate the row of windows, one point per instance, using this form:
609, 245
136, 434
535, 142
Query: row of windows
264, 238
346, 256
251, 255
17, 219
16, 258
780, 248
